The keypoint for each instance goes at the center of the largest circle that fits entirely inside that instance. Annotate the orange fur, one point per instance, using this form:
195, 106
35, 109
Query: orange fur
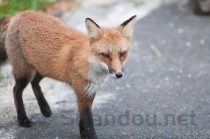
47, 45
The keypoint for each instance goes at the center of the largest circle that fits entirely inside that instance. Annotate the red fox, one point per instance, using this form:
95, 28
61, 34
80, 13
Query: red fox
39, 45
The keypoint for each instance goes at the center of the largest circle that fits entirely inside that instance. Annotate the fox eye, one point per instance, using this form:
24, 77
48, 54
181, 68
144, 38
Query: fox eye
123, 53
104, 55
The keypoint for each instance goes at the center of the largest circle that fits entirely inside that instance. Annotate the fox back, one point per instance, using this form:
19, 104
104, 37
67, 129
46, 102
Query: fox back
43, 43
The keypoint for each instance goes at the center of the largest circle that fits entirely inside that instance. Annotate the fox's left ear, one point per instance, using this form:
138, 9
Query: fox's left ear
127, 26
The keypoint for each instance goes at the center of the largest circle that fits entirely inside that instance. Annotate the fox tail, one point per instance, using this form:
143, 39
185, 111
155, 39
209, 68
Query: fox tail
3, 29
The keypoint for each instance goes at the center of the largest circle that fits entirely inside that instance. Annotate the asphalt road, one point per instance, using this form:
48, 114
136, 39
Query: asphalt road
164, 95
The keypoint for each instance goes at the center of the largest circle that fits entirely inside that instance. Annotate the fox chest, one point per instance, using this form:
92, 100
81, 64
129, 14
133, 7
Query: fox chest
97, 74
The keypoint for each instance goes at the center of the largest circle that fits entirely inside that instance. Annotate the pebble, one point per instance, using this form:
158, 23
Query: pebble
189, 75
117, 88
166, 79
180, 30
202, 42
146, 90
171, 25
157, 86
128, 85
171, 69
151, 70
188, 44
180, 71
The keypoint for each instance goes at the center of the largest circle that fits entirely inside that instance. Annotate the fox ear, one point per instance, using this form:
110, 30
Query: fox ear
94, 31
127, 26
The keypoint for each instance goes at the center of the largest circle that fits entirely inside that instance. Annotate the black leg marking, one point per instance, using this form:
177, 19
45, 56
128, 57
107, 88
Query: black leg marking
87, 130
18, 90
43, 105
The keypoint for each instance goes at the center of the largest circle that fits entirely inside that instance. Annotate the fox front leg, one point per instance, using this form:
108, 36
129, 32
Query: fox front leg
86, 126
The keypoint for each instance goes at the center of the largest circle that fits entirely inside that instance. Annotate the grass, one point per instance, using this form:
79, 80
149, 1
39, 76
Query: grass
9, 7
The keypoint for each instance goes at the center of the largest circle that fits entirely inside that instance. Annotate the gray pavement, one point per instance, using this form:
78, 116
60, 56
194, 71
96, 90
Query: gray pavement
164, 95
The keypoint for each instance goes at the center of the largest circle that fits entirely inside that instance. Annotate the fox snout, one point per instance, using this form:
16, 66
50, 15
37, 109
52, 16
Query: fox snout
118, 74
117, 71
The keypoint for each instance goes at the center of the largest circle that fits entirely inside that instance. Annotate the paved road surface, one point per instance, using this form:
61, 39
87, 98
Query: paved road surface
167, 77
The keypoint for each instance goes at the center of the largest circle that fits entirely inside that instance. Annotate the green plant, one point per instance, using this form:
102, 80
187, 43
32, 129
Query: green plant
8, 7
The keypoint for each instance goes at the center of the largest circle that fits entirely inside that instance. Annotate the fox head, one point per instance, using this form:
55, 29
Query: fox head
109, 46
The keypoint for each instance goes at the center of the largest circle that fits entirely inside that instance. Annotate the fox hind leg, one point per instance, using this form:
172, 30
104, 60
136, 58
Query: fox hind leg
21, 69
20, 84
43, 105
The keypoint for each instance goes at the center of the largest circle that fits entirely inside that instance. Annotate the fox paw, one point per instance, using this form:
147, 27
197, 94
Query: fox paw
46, 111
25, 122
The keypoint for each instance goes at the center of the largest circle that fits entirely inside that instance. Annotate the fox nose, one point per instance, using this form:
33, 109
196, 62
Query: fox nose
119, 74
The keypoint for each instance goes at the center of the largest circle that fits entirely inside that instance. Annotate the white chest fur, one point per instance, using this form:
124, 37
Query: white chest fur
98, 73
